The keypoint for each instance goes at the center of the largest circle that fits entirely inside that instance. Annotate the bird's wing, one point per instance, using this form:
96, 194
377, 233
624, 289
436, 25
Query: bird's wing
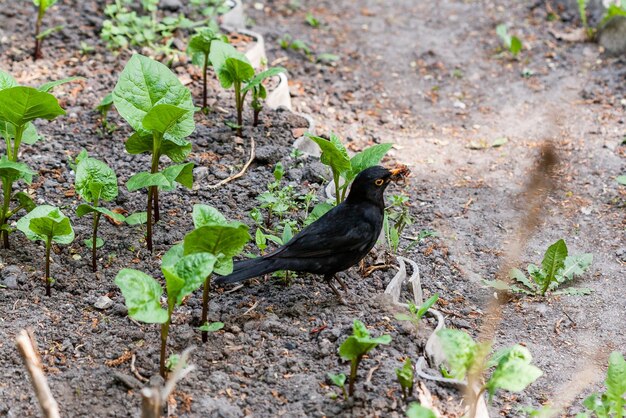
343, 229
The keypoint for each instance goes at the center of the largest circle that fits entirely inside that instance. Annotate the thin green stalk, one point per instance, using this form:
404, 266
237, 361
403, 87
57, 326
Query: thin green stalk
40, 13
204, 90
48, 281
205, 307
239, 106
19, 132
156, 154
336, 181
96, 219
165, 330
345, 393
354, 365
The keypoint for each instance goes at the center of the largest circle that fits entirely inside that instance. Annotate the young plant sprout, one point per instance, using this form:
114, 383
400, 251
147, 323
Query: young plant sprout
405, 378
512, 43
416, 314
48, 224
223, 239
512, 370
95, 182
397, 217
335, 155
557, 267
160, 110
183, 275
356, 346
103, 108
259, 93
233, 69
199, 48
19, 107
42, 7
612, 402
339, 380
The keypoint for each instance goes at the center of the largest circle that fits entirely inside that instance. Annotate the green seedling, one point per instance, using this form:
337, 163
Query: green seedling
582, 11
233, 69
339, 380
223, 239
103, 108
42, 7
556, 269
512, 43
19, 107
287, 42
416, 314
95, 182
183, 275
48, 224
511, 368
611, 403
356, 346
160, 110
617, 8
416, 410
396, 218
210, 8
405, 378
312, 20
211, 327
199, 49
335, 155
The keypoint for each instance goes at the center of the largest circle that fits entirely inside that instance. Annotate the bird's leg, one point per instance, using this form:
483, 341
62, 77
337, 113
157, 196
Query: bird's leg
343, 284
329, 280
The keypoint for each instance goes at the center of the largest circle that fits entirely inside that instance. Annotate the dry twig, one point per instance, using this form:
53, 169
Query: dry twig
243, 170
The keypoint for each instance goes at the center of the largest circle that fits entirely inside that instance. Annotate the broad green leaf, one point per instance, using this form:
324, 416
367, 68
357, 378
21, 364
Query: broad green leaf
621, 180
334, 153
84, 209
516, 45
180, 173
416, 410
145, 83
205, 215
554, 259
212, 327
200, 46
258, 79
11, 171
25, 201
139, 143
45, 222
502, 32
405, 374
223, 241
337, 379
287, 234
20, 105
187, 275
7, 81
137, 218
163, 117
574, 265
616, 380
143, 296
230, 65
318, 211
89, 242
367, 158
95, 180
144, 179
360, 342
459, 349
106, 103
513, 371
427, 305
46, 87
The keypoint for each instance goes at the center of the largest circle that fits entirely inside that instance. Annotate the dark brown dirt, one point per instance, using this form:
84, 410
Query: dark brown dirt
428, 76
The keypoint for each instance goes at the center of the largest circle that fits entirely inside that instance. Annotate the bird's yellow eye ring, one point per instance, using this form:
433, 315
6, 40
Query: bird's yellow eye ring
379, 182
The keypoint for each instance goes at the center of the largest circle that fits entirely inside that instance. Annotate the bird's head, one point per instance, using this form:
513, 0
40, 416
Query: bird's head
370, 184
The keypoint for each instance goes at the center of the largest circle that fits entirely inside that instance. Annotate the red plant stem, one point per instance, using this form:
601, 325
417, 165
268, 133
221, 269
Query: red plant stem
96, 219
354, 365
239, 106
48, 284
255, 122
165, 329
204, 91
205, 307
37, 53
155, 197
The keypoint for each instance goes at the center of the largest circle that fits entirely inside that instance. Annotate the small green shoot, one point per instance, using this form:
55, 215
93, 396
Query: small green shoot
416, 314
223, 239
611, 403
405, 378
416, 410
335, 155
356, 346
211, 327
397, 218
339, 380
48, 224
160, 110
42, 7
511, 366
199, 48
312, 20
556, 269
95, 182
142, 293
103, 108
512, 43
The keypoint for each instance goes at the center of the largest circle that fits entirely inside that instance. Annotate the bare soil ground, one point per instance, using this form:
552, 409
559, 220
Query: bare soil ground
427, 76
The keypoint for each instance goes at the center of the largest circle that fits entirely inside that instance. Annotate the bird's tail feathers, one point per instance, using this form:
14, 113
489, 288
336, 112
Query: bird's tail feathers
247, 269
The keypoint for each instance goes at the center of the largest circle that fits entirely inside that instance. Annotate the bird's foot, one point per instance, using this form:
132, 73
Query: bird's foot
343, 284
335, 291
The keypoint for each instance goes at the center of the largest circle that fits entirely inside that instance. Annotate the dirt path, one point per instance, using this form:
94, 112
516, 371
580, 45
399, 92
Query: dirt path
428, 76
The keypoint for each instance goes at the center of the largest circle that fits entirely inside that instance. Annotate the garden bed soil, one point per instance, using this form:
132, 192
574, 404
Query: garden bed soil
280, 340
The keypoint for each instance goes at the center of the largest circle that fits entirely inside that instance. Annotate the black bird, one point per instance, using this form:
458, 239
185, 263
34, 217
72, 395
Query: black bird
336, 241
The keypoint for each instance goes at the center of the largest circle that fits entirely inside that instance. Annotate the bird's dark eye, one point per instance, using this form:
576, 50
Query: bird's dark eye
379, 182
